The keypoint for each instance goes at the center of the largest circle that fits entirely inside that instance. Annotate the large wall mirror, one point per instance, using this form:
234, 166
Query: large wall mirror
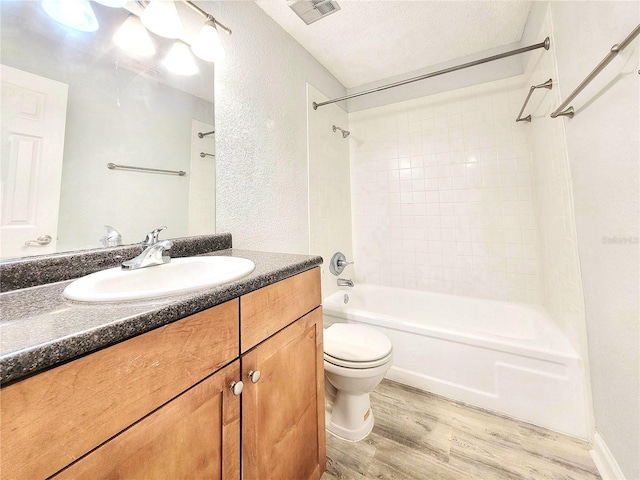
74, 102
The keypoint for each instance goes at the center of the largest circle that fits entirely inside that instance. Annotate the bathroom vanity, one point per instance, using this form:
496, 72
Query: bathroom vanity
233, 390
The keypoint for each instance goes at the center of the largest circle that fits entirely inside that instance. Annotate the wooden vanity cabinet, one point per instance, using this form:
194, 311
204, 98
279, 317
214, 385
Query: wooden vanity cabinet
52, 419
160, 404
196, 435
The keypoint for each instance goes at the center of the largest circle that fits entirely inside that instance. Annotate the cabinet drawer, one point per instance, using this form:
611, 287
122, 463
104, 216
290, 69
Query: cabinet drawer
271, 308
51, 419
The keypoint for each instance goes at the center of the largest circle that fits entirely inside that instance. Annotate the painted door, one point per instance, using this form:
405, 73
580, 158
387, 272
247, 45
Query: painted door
34, 111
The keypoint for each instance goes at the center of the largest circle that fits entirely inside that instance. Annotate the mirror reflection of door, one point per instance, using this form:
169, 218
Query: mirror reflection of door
34, 110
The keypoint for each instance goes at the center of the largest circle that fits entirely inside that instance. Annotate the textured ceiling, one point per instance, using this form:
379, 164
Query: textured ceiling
369, 40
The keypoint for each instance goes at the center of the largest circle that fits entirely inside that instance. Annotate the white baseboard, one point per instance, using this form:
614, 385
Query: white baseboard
604, 460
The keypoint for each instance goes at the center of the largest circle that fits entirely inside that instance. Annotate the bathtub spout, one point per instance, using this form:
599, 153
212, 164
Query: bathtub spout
345, 282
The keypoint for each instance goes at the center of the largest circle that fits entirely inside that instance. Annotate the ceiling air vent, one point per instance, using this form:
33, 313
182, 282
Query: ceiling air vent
313, 10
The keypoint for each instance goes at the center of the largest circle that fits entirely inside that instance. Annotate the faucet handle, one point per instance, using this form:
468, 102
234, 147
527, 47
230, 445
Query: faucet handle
337, 263
112, 238
152, 236
343, 263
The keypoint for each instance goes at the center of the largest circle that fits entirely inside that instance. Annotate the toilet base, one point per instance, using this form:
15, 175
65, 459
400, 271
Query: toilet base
348, 416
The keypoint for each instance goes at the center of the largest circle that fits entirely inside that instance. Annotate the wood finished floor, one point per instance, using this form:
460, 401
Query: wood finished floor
418, 435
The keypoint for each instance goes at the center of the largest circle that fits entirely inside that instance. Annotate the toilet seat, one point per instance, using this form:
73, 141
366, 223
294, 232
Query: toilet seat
356, 346
357, 365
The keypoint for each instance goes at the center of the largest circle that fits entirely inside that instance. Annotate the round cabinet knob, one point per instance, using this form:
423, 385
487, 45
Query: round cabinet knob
236, 388
254, 375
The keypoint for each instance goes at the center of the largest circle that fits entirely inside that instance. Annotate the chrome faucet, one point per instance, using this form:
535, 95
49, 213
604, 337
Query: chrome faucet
152, 255
112, 238
152, 237
345, 282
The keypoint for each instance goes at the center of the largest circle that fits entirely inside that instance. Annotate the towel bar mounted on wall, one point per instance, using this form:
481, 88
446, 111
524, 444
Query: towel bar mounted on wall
613, 53
113, 166
204, 134
548, 84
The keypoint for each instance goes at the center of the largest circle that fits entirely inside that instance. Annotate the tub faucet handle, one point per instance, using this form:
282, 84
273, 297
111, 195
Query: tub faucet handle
337, 263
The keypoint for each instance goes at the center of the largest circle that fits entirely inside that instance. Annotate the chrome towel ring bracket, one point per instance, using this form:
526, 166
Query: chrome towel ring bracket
548, 85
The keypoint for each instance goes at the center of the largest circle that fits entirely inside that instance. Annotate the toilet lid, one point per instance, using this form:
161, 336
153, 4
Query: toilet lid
355, 343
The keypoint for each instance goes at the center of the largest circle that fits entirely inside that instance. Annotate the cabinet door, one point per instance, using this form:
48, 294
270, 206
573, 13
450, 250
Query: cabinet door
49, 420
283, 434
196, 435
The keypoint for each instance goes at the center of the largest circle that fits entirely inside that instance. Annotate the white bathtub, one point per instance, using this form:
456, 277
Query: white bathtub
502, 356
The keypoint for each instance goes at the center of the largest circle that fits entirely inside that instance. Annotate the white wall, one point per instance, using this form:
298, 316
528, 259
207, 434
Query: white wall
329, 187
562, 293
441, 194
261, 131
553, 198
604, 156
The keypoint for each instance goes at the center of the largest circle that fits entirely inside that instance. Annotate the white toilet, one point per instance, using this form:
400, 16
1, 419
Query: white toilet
356, 359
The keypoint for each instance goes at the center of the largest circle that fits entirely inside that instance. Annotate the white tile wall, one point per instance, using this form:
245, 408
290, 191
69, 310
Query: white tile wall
442, 197
329, 189
553, 200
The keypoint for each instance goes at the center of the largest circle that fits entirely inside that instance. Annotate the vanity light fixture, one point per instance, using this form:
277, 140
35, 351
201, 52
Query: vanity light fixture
207, 45
162, 18
76, 14
134, 38
180, 61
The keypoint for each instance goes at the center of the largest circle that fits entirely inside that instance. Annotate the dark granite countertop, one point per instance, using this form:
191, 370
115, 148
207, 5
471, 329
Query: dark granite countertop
41, 329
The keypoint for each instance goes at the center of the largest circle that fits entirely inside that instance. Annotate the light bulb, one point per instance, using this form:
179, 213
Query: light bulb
207, 45
134, 38
112, 3
180, 61
76, 14
161, 17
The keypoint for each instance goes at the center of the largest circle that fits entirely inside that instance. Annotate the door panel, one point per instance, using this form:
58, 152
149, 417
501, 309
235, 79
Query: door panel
283, 413
34, 111
195, 436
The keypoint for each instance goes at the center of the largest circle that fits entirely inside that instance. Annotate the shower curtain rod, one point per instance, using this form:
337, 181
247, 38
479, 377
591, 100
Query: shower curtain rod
545, 45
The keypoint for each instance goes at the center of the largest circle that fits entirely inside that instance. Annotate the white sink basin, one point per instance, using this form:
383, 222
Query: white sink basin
181, 275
